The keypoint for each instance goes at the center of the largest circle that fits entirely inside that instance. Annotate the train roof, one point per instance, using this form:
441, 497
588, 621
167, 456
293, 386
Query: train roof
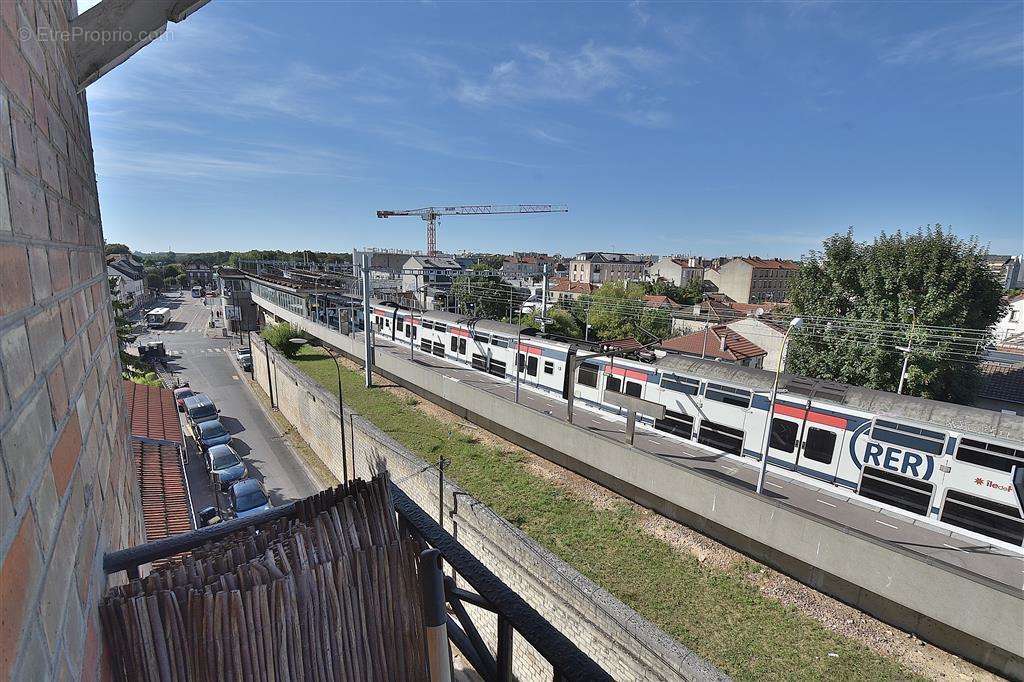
945, 415
492, 327
442, 315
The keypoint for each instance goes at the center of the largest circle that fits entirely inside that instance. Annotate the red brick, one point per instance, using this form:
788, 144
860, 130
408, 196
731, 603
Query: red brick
48, 164
28, 210
60, 269
65, 454
15, 285
58, 393
6, 141
94, 664
14, 68
9, 11
67, 319
39, 269
39, 105
20, 567
25, 156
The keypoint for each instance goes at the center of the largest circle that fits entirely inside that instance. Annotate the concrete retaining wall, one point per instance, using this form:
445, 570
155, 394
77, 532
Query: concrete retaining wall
978, 619
619, 639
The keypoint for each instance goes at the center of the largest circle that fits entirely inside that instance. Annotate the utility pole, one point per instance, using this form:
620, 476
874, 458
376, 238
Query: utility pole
367, 323
906, 351
544, 301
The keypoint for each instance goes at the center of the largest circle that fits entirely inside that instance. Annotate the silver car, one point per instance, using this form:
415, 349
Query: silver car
248, 498
225, 466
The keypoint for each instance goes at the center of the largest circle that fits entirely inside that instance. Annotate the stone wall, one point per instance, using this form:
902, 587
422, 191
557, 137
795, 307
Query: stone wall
68, 490
619, 639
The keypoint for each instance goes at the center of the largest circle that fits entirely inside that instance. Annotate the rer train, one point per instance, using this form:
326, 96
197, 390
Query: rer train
958, 465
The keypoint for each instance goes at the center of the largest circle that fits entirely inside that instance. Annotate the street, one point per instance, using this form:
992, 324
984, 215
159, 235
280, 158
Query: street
207, 364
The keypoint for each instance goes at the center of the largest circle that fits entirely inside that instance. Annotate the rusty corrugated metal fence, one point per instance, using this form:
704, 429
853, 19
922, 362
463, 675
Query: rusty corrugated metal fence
329, 593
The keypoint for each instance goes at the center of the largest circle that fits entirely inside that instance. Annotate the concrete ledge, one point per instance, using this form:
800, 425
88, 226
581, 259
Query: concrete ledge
973, 617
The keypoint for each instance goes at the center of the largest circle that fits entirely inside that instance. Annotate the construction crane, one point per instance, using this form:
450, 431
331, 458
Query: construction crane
432, 214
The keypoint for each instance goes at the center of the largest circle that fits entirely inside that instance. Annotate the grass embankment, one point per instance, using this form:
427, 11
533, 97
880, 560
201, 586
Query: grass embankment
716, 612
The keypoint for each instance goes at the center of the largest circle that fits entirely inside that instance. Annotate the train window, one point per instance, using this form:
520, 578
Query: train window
440, 327
400, 325
721, 436
479, 362
675, 382
612, 383
439, 349
409, 329
908, 436
549, 367
899, 491
455, 344
728, 395
587, 374
1000, 521
482, 338
497, 368
676, 423
634, 389
426, 345
531, 365
499, 342
783, 435
520, 361
819, 445
998, 457
425, 324
462, 345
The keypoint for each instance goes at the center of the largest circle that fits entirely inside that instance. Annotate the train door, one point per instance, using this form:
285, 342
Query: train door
567, 372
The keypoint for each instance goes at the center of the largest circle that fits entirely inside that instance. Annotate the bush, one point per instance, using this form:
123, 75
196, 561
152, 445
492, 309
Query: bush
279, 335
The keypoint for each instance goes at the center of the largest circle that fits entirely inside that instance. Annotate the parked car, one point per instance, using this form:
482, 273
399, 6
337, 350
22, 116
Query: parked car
248, 498
244, 357
152, 350
200, 408
180, 394
225, 466
210, 433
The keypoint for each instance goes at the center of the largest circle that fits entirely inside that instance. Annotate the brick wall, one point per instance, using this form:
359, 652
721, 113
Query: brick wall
620, 640
68, 491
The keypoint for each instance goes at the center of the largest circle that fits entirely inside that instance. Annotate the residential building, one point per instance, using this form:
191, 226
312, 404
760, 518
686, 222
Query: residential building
718, 343
427, 275
1007, 269
527, 266
678, 271
752, 280
767, 334
564, 290
199, 273
69, 487
131, 282
598, 267
1012, 324
658, 301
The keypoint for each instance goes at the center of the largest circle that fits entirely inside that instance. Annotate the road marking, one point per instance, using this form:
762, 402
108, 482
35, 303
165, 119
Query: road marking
235, 377
959, 549
828, 503
774, 485
887, 524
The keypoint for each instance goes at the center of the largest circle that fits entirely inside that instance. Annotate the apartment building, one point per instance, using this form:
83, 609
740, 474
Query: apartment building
598, 267
752, 280
678, 271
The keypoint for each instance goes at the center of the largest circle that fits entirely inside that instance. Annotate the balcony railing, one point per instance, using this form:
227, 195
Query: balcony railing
488, 591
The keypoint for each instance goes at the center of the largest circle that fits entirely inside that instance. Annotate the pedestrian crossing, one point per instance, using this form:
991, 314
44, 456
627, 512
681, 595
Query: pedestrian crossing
195, 351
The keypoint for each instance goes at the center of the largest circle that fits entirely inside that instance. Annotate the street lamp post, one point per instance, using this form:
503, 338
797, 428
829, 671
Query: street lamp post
795, 323
906, 351
341, 405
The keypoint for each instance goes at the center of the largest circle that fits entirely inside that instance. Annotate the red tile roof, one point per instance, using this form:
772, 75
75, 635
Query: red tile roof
737, 347
573, 287
621, 344
166, 508
153, 412
660, 301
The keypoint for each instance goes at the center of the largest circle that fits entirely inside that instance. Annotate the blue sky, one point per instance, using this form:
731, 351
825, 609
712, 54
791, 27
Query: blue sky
721, 128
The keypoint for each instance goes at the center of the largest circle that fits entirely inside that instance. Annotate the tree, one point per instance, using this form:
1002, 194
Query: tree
116, 248
941, 277
617, 311
154, 281
684, 295
562, 323
182, 280
485, 296
279, 336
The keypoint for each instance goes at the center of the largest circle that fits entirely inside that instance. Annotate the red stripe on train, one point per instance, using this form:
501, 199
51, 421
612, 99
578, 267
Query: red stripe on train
523, 348
816, 417
630, 373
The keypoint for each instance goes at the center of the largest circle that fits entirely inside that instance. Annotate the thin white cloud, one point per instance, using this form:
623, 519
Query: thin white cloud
985, 42
539, 74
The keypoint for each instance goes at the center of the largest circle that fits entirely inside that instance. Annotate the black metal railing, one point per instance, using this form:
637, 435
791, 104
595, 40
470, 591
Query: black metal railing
491, 594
